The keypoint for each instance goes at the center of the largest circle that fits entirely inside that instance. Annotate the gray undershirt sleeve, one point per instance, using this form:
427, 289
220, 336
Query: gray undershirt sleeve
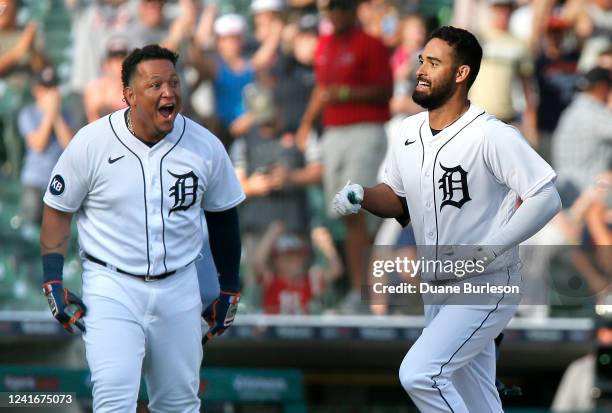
528, 219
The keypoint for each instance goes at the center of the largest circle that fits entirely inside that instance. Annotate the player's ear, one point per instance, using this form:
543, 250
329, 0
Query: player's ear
128, 95
462, 74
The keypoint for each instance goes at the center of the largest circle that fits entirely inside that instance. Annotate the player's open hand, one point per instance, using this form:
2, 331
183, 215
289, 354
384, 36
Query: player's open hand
220, 314
348, 200
66, 307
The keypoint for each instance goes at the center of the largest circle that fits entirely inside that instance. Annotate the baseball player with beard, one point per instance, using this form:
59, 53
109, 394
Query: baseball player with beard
138, 180
459, 175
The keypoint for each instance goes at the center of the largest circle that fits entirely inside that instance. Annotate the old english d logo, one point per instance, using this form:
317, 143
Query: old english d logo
453, 184
184, 191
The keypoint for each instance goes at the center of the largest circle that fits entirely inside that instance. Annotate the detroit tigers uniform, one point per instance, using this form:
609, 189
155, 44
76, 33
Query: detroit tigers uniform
461, 186
138, 214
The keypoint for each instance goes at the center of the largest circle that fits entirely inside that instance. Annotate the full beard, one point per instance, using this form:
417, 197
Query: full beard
435, 98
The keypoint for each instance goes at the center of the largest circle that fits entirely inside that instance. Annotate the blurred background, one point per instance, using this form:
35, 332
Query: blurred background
305, 339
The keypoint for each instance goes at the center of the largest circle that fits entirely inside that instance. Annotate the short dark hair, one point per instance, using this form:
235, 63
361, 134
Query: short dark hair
466, 47
149, 52
343, 4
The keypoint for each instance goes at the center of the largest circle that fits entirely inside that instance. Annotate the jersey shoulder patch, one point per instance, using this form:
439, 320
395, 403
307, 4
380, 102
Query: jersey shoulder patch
57, 185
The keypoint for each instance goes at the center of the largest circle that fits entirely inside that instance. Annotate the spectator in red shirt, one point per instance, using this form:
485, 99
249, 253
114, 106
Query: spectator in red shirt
352, 92
288, 288
290, 278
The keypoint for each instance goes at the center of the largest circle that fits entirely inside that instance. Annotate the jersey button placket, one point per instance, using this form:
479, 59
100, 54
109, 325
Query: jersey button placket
427, 194
149, 163
155, 218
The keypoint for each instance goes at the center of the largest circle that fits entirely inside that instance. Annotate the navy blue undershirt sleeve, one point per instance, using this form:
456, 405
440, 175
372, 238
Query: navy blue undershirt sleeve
224, 238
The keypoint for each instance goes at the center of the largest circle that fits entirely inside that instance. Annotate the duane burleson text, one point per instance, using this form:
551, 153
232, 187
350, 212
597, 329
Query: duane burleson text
463, 288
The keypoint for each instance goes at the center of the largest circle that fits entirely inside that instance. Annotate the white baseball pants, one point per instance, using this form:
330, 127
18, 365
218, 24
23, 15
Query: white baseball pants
135, 327
451, 367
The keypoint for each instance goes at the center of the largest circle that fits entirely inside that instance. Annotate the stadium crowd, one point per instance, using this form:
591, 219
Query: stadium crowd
304, 94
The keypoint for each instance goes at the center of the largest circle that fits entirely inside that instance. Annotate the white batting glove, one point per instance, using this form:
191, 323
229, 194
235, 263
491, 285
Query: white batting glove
348, 200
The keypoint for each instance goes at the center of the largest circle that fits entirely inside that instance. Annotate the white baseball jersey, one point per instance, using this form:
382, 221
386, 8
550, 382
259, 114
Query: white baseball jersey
138, 207
463, 184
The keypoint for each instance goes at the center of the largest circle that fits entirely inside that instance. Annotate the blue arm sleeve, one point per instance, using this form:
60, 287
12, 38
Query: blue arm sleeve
224, 235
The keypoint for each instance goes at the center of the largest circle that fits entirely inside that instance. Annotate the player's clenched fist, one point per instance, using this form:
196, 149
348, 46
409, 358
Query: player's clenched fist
348, 200
220, 314
66, 307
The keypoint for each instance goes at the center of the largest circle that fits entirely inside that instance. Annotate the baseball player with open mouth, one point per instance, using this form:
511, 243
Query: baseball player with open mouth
459, 175
137, 180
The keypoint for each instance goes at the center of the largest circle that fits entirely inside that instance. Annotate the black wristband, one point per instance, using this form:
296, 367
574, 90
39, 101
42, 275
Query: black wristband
53, 267
404, 219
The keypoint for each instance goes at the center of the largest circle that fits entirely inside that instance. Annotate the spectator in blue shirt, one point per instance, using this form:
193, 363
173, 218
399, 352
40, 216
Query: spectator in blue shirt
230, 70
46, 130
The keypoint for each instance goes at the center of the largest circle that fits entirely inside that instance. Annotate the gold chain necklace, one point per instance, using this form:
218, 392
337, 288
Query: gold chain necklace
129, 122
